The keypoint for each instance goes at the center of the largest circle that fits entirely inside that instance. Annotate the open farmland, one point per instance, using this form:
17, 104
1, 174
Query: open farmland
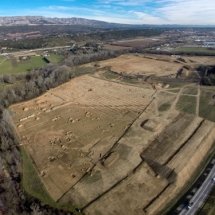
13, 65
113, 147
154, 65
83, 118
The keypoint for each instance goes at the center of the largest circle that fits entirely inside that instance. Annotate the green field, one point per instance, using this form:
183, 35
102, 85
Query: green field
9, 67
2, 59
207, 108
164, 107
195, 49
109, 75
187, 104
190, 90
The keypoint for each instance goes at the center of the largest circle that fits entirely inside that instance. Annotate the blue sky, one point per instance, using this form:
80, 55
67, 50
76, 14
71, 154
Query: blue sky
200, 12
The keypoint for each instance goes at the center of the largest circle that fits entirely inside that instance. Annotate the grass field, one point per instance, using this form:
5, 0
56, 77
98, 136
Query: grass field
54, 58
175, 85
190, 91
2, 59
187, 104
175, 90
194, 49
207, 109
164, 107
109, 75
9, 67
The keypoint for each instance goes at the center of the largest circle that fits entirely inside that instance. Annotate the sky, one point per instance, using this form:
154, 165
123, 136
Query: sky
184, 12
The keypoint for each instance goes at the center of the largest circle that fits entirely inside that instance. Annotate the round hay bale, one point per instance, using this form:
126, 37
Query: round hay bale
25, 109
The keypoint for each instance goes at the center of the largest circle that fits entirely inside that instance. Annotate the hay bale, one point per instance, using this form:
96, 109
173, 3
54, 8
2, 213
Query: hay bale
33, 115
25, 109
23, 119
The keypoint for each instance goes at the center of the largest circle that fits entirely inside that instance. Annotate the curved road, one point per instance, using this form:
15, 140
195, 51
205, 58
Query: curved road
201, 194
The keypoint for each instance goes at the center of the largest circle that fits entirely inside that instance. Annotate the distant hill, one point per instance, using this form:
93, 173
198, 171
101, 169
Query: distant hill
40, 20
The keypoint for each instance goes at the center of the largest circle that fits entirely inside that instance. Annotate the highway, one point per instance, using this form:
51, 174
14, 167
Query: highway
201, 194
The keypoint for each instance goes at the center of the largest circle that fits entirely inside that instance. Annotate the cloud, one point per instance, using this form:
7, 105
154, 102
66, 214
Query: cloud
148, 19
189, 11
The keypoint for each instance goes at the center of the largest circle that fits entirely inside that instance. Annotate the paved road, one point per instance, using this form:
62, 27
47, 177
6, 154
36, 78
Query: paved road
201, 194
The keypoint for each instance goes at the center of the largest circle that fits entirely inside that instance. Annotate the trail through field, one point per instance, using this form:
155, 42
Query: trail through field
3, 61
178, 96
198, 101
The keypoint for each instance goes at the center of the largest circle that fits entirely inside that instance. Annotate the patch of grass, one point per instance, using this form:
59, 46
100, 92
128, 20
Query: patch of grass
31, 181
2, 59
195, 49
91, 179
54, 58
7, 66
175, 85
174, 90
190, 90
33, 185
212, 212
187, 104
164, 107
109, 75
207, 109
80, 70
130, 81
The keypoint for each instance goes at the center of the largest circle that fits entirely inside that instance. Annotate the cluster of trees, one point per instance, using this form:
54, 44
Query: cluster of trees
35, 83
207, 74
118, 34
75, 60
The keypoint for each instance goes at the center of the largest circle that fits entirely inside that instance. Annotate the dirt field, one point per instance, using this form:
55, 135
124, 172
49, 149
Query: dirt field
153, 64
65, 129
111, 147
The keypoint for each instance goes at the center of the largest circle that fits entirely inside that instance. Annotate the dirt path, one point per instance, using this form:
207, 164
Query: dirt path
198, 74
198, 101
3, 61
178, 96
